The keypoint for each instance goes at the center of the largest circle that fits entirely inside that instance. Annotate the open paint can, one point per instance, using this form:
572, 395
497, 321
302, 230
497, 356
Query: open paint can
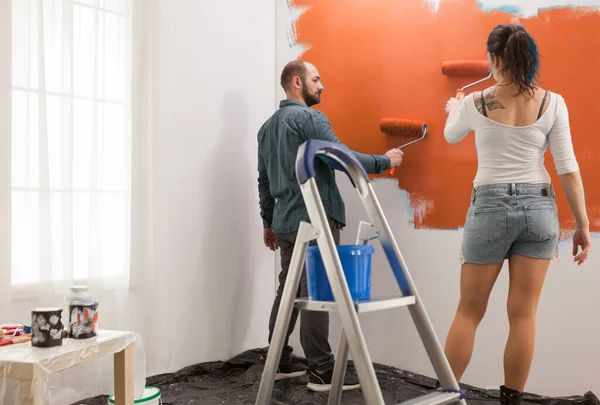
83, 317
151, 396
46, 327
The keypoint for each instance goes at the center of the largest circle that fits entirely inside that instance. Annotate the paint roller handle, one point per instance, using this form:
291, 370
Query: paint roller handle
393, 155
392, 170
336, 153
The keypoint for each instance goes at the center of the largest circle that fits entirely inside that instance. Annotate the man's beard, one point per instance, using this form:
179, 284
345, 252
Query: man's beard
310, 99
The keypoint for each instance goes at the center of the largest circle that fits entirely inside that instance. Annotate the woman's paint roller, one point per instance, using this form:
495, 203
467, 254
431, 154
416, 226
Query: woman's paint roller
467, 68
397, 126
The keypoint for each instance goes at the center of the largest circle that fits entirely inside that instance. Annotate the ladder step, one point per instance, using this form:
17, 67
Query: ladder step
435, 398
369, 306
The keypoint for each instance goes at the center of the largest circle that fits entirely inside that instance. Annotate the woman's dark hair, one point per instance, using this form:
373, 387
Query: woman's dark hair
518, 51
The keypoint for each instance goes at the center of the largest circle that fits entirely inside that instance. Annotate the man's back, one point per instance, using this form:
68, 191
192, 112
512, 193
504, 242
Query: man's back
278, 141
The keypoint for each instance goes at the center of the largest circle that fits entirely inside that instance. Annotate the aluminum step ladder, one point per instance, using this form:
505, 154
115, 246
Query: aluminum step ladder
351, 337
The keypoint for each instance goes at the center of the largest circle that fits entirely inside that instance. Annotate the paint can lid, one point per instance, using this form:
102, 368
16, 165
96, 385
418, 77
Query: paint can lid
83, 302
47, 309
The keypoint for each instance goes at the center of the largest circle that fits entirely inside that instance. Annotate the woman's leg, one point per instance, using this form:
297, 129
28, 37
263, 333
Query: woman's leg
527, 277
476, 283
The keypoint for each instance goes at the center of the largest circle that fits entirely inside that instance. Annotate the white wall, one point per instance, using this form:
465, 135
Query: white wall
212, 67
567, 353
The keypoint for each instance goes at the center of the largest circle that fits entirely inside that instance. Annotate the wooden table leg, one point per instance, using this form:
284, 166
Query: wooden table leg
124, 376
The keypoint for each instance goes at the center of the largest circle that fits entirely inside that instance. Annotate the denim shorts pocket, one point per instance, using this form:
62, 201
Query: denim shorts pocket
490, 223
542, 223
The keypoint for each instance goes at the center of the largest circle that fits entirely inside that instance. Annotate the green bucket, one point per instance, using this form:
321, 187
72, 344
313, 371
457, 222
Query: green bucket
151, 396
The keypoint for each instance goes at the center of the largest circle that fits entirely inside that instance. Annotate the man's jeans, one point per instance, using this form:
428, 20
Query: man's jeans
314, 325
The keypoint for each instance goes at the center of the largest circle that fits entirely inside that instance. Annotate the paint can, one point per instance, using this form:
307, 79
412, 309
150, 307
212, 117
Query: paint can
46, 327
83, 319
76, 292
151, 396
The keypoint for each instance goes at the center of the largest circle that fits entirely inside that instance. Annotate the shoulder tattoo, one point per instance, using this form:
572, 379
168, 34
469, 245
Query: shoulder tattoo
490, 102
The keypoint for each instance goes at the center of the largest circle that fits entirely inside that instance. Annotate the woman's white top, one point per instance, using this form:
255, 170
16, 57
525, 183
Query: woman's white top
509, 154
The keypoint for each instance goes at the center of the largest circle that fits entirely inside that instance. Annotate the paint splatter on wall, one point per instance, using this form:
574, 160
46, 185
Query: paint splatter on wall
383, 59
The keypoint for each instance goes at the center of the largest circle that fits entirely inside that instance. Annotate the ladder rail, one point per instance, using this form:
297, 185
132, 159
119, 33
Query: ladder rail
341, 293
366, 232
418, 313
339, 371
434, 398
306, 234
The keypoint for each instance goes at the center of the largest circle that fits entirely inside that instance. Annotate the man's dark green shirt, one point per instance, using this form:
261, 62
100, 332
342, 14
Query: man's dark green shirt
282, 206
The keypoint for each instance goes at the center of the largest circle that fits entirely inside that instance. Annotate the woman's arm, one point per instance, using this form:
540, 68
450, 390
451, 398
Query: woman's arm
457, 124
573, 186
561, 147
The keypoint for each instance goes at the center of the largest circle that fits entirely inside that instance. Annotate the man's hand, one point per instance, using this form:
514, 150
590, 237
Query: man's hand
270, 239
395, 156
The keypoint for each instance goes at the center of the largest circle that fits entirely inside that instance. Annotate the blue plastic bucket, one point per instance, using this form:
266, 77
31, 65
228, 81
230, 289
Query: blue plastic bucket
356, 263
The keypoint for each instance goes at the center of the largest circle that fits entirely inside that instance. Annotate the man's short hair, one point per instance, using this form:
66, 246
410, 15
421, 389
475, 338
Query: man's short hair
294, 68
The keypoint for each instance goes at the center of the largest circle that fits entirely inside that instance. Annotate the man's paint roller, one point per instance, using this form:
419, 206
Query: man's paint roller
467, 68
397, 126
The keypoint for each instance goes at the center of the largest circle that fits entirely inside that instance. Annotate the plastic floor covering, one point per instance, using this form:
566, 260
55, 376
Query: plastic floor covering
236, 382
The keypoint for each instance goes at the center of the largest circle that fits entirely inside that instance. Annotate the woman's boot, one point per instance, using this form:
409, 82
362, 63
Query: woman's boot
509, 396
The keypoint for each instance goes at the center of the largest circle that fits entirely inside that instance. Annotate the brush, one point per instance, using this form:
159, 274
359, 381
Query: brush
20, 339
403, 127
467, 68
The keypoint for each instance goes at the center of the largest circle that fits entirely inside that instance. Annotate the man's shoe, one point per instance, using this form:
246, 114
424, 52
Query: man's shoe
321, 382
287, 371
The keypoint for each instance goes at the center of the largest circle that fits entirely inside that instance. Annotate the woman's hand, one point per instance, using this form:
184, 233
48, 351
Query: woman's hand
453, 104
583, 240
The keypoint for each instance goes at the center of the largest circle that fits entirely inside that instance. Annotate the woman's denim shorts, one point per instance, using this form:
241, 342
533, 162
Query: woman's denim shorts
507, 219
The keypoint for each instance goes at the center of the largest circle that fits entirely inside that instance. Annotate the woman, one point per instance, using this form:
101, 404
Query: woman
513, 214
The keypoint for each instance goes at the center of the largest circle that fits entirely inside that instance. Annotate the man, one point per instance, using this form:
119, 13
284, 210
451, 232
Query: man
282, 208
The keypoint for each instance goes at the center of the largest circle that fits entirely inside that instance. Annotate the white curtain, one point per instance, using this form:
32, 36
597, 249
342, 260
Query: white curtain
70, 149
5, 99
65, 177
119, 125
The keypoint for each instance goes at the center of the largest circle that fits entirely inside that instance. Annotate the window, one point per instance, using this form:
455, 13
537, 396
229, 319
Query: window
71, 139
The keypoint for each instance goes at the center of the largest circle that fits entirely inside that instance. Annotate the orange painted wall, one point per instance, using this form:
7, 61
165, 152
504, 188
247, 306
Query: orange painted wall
382, 58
